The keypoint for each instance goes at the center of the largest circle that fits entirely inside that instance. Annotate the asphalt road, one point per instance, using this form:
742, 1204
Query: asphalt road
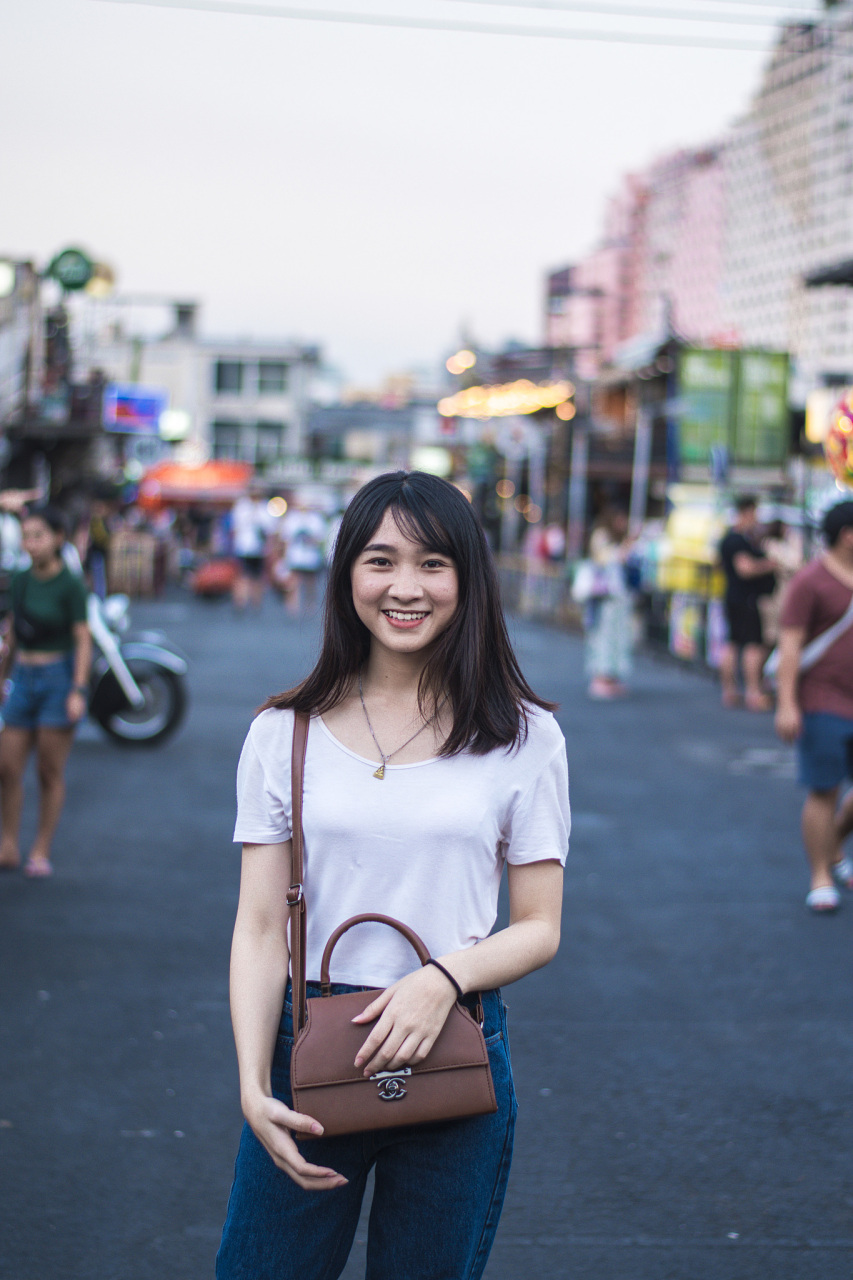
683, 1067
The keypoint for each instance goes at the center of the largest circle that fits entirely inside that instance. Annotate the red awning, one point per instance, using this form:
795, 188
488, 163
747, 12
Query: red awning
173, 484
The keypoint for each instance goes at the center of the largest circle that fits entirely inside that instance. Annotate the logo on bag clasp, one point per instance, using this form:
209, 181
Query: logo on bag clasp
390, 1083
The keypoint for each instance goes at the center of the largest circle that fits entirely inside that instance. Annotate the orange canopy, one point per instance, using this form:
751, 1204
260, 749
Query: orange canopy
173, 484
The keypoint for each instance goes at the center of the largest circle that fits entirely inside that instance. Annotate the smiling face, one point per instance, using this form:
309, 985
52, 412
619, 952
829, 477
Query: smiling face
403, 592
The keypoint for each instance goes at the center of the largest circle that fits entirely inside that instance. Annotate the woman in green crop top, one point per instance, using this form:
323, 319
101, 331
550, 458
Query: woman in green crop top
50, 653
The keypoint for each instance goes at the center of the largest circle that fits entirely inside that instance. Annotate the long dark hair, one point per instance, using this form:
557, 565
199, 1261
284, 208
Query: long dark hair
473, 664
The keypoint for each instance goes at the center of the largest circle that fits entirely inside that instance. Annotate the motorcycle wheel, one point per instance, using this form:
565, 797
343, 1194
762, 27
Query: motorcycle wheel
164, 708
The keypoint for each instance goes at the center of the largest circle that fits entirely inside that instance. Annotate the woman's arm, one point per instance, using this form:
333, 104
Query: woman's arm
259, 964
7, 651
414, 1010
77, 700
789, 719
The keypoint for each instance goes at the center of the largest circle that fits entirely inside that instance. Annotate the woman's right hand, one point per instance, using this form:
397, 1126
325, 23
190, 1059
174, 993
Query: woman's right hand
272, 1124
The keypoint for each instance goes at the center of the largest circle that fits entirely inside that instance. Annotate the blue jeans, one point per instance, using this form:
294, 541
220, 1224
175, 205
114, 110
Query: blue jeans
38, 695
437, 1199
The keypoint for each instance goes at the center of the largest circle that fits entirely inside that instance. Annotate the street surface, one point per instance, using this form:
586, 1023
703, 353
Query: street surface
683, 1067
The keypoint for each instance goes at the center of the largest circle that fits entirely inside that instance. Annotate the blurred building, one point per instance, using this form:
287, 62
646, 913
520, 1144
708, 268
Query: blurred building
789, 194
49, 412
713, 245
21, 342
657, 268
238, 399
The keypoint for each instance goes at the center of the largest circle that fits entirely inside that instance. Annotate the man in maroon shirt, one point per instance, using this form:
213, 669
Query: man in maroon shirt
815, 707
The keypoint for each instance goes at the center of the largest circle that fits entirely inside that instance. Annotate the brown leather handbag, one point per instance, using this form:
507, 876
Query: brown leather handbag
453, 1081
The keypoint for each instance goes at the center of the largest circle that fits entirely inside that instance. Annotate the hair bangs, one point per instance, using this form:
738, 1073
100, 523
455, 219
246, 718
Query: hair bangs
417, 523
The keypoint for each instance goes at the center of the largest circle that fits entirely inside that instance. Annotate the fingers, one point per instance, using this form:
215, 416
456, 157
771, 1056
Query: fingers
285, 1154
374, 1042
373, 1010
398, 1050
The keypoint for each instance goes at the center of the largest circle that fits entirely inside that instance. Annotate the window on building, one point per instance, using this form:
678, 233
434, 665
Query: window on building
270, 442
272, 377
228, 377
226, 441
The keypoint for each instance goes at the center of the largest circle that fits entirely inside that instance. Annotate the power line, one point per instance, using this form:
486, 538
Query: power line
439, 24
627, 11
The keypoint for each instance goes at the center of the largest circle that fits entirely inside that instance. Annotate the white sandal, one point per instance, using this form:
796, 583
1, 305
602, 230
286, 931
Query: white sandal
823, 900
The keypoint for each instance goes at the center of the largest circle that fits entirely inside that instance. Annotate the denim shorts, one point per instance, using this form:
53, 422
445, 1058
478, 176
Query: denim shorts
825, 750
38, 695
437, 1199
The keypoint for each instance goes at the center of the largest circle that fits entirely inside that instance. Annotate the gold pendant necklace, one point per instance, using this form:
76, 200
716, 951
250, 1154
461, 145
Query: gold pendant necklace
380, 772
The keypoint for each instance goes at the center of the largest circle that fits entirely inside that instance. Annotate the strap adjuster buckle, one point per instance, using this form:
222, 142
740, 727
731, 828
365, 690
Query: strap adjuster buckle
294, 895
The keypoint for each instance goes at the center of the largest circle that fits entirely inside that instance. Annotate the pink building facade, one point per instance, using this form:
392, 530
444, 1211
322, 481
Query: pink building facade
658, 265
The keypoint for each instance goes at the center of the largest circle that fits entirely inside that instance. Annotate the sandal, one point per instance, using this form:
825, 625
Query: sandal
823, 900
38, 868
843, 872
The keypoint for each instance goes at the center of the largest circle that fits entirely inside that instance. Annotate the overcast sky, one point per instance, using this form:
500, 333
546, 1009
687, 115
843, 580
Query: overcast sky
369, 189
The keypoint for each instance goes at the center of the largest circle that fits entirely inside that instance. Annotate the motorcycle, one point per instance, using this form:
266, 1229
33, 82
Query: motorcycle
137, 690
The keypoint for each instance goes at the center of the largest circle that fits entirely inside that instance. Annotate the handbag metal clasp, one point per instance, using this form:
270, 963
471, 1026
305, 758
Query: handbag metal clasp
391, 1087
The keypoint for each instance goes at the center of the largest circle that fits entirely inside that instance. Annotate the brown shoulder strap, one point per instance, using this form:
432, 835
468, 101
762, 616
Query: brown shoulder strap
295, 894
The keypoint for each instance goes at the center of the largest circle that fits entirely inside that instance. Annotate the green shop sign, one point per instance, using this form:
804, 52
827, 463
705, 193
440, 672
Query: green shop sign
72, 268
737, 400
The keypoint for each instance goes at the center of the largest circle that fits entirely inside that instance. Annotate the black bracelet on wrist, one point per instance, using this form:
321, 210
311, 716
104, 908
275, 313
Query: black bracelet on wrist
449, 976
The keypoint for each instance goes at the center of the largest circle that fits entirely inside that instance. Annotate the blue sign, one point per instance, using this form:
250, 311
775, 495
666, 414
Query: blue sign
133, 410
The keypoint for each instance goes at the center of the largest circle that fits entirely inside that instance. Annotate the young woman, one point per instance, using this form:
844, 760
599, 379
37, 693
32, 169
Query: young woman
431, 764
609, 621
50, 652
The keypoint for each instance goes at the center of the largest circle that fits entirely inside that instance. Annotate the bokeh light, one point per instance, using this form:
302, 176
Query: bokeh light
838, 446
277, 506
461, 361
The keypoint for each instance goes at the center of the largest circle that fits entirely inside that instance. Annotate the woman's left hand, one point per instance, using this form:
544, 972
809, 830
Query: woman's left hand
411, 1013
75, 706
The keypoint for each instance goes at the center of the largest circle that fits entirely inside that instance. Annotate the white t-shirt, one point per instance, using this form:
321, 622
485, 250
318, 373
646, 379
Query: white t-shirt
251, 523
305, 535
426, 845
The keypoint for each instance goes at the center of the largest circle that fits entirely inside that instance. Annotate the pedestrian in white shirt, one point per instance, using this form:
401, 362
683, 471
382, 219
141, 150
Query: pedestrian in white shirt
251, 528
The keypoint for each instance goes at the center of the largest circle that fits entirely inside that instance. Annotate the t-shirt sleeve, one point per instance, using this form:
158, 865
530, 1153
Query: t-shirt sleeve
797, 603
77, 600
540, 820
261, 813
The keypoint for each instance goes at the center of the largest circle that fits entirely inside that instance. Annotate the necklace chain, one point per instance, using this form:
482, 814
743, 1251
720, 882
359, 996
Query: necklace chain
380, 772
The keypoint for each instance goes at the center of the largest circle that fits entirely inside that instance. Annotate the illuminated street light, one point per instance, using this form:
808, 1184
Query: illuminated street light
7, 278
508, 400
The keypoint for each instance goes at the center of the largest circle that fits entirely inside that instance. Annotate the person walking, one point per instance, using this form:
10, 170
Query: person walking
815, 706
749, 575
50, 653
431, 765
251, 528
303, 532
609, 616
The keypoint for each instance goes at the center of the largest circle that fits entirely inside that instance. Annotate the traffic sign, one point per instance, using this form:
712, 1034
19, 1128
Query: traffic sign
72, 268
